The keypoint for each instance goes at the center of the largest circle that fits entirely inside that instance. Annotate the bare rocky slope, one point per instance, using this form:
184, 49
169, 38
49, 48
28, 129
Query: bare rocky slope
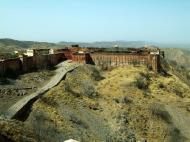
179, 59
180, 56
124, 104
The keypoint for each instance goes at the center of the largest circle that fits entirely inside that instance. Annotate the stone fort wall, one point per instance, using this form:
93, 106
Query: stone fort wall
117, 59
28, 64
99, 58
10, 66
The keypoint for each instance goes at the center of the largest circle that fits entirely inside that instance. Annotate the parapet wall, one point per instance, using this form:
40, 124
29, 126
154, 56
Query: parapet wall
118, 59
10, 66
81, 58
106, 59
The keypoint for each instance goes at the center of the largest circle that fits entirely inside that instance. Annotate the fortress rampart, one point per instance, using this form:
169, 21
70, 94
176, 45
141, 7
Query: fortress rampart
107, 59
97, 56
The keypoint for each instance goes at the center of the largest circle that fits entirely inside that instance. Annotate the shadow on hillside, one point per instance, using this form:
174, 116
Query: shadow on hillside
10, 76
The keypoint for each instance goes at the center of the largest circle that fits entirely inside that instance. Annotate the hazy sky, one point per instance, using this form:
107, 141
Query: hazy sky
96, 20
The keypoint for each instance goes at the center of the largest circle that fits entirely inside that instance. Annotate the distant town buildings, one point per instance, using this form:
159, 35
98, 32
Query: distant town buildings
32, 52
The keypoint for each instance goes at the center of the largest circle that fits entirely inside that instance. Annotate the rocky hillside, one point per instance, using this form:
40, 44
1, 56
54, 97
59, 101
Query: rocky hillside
179, 60
180, 56
122, 104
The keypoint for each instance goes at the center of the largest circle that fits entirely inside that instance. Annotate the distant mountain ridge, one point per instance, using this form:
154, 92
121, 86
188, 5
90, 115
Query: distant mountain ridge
23, 44
11, 44
105, 44
7, 45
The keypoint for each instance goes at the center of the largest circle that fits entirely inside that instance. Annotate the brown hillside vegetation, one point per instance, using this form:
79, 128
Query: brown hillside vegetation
125, 104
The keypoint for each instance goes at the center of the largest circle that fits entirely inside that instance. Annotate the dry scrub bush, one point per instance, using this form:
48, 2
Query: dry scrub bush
141, 83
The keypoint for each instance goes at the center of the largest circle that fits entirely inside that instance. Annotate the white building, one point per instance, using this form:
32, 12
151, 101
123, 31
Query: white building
29, 52
32, 52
